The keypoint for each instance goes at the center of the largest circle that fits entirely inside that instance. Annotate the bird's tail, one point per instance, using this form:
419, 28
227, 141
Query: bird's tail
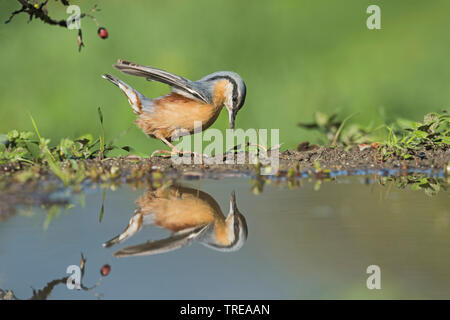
137, 100
133, 227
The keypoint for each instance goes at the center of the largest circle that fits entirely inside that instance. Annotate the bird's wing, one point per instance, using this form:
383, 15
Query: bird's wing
150, 73
174, 242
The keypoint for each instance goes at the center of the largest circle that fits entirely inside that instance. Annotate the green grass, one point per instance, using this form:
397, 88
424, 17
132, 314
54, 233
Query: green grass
406, 137
400, 138
31, 149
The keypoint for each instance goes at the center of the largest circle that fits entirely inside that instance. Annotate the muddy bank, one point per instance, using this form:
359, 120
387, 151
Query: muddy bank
327, 158
308, 158
362, 157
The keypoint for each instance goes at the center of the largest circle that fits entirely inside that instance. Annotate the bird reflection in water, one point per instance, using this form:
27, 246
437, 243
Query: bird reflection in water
189, 214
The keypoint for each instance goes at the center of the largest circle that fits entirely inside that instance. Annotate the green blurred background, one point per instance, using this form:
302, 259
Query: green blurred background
296, 57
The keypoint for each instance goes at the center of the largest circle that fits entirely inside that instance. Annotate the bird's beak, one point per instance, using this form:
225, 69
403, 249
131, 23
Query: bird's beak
233, 205
232, 117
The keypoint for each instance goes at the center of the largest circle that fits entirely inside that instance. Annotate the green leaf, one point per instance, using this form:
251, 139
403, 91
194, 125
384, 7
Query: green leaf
421, 134
13, 135
34, 151
415, 186
415, 124
317, 165
321, 118
430, 117
85, 138
127, 148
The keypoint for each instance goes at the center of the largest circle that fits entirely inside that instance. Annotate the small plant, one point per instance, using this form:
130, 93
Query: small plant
326, 124
16, 146
23, 147
32, 148
429, 185
406, 138
334, 132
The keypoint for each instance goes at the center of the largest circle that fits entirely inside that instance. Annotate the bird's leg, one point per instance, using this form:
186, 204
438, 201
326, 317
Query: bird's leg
174, 150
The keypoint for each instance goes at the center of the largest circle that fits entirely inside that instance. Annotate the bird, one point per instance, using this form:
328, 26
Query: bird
189, 102
189, 214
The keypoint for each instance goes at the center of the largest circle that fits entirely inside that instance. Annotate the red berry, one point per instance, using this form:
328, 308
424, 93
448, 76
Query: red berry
105, 270
102, 33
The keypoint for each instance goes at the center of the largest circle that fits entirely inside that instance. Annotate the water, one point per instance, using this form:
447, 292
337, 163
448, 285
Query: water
314, 240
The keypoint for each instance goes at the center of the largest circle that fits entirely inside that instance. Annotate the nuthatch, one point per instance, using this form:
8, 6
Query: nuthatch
189, 214
174, 114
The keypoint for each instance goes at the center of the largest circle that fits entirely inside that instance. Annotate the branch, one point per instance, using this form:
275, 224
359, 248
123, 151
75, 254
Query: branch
40, 11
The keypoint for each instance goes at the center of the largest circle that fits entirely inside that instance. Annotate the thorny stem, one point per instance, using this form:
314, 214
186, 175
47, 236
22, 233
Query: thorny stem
40, 12
45, 292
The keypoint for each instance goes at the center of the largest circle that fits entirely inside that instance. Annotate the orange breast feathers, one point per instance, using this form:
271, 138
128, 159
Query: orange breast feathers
173, 112
176, 211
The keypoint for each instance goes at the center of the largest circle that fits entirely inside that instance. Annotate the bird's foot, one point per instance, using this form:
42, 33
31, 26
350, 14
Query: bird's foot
176, 152
164, 153
195, 154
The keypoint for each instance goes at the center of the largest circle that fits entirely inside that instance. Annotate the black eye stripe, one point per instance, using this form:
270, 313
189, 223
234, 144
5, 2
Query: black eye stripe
233, 83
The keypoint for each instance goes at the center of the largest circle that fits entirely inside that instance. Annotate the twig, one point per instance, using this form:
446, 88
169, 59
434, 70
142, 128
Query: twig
40, 11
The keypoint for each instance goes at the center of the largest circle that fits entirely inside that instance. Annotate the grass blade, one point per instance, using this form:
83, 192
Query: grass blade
102, 137
102, 210
35, 126
338, 132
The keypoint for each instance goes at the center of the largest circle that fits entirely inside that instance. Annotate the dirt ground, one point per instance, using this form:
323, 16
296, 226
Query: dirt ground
362, 157
328, 158
306, 159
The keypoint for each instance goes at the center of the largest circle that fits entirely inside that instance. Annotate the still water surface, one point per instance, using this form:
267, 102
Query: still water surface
283, 243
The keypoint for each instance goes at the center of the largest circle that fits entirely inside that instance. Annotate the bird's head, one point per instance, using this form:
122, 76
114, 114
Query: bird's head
235, 227
235, 92
236, 221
